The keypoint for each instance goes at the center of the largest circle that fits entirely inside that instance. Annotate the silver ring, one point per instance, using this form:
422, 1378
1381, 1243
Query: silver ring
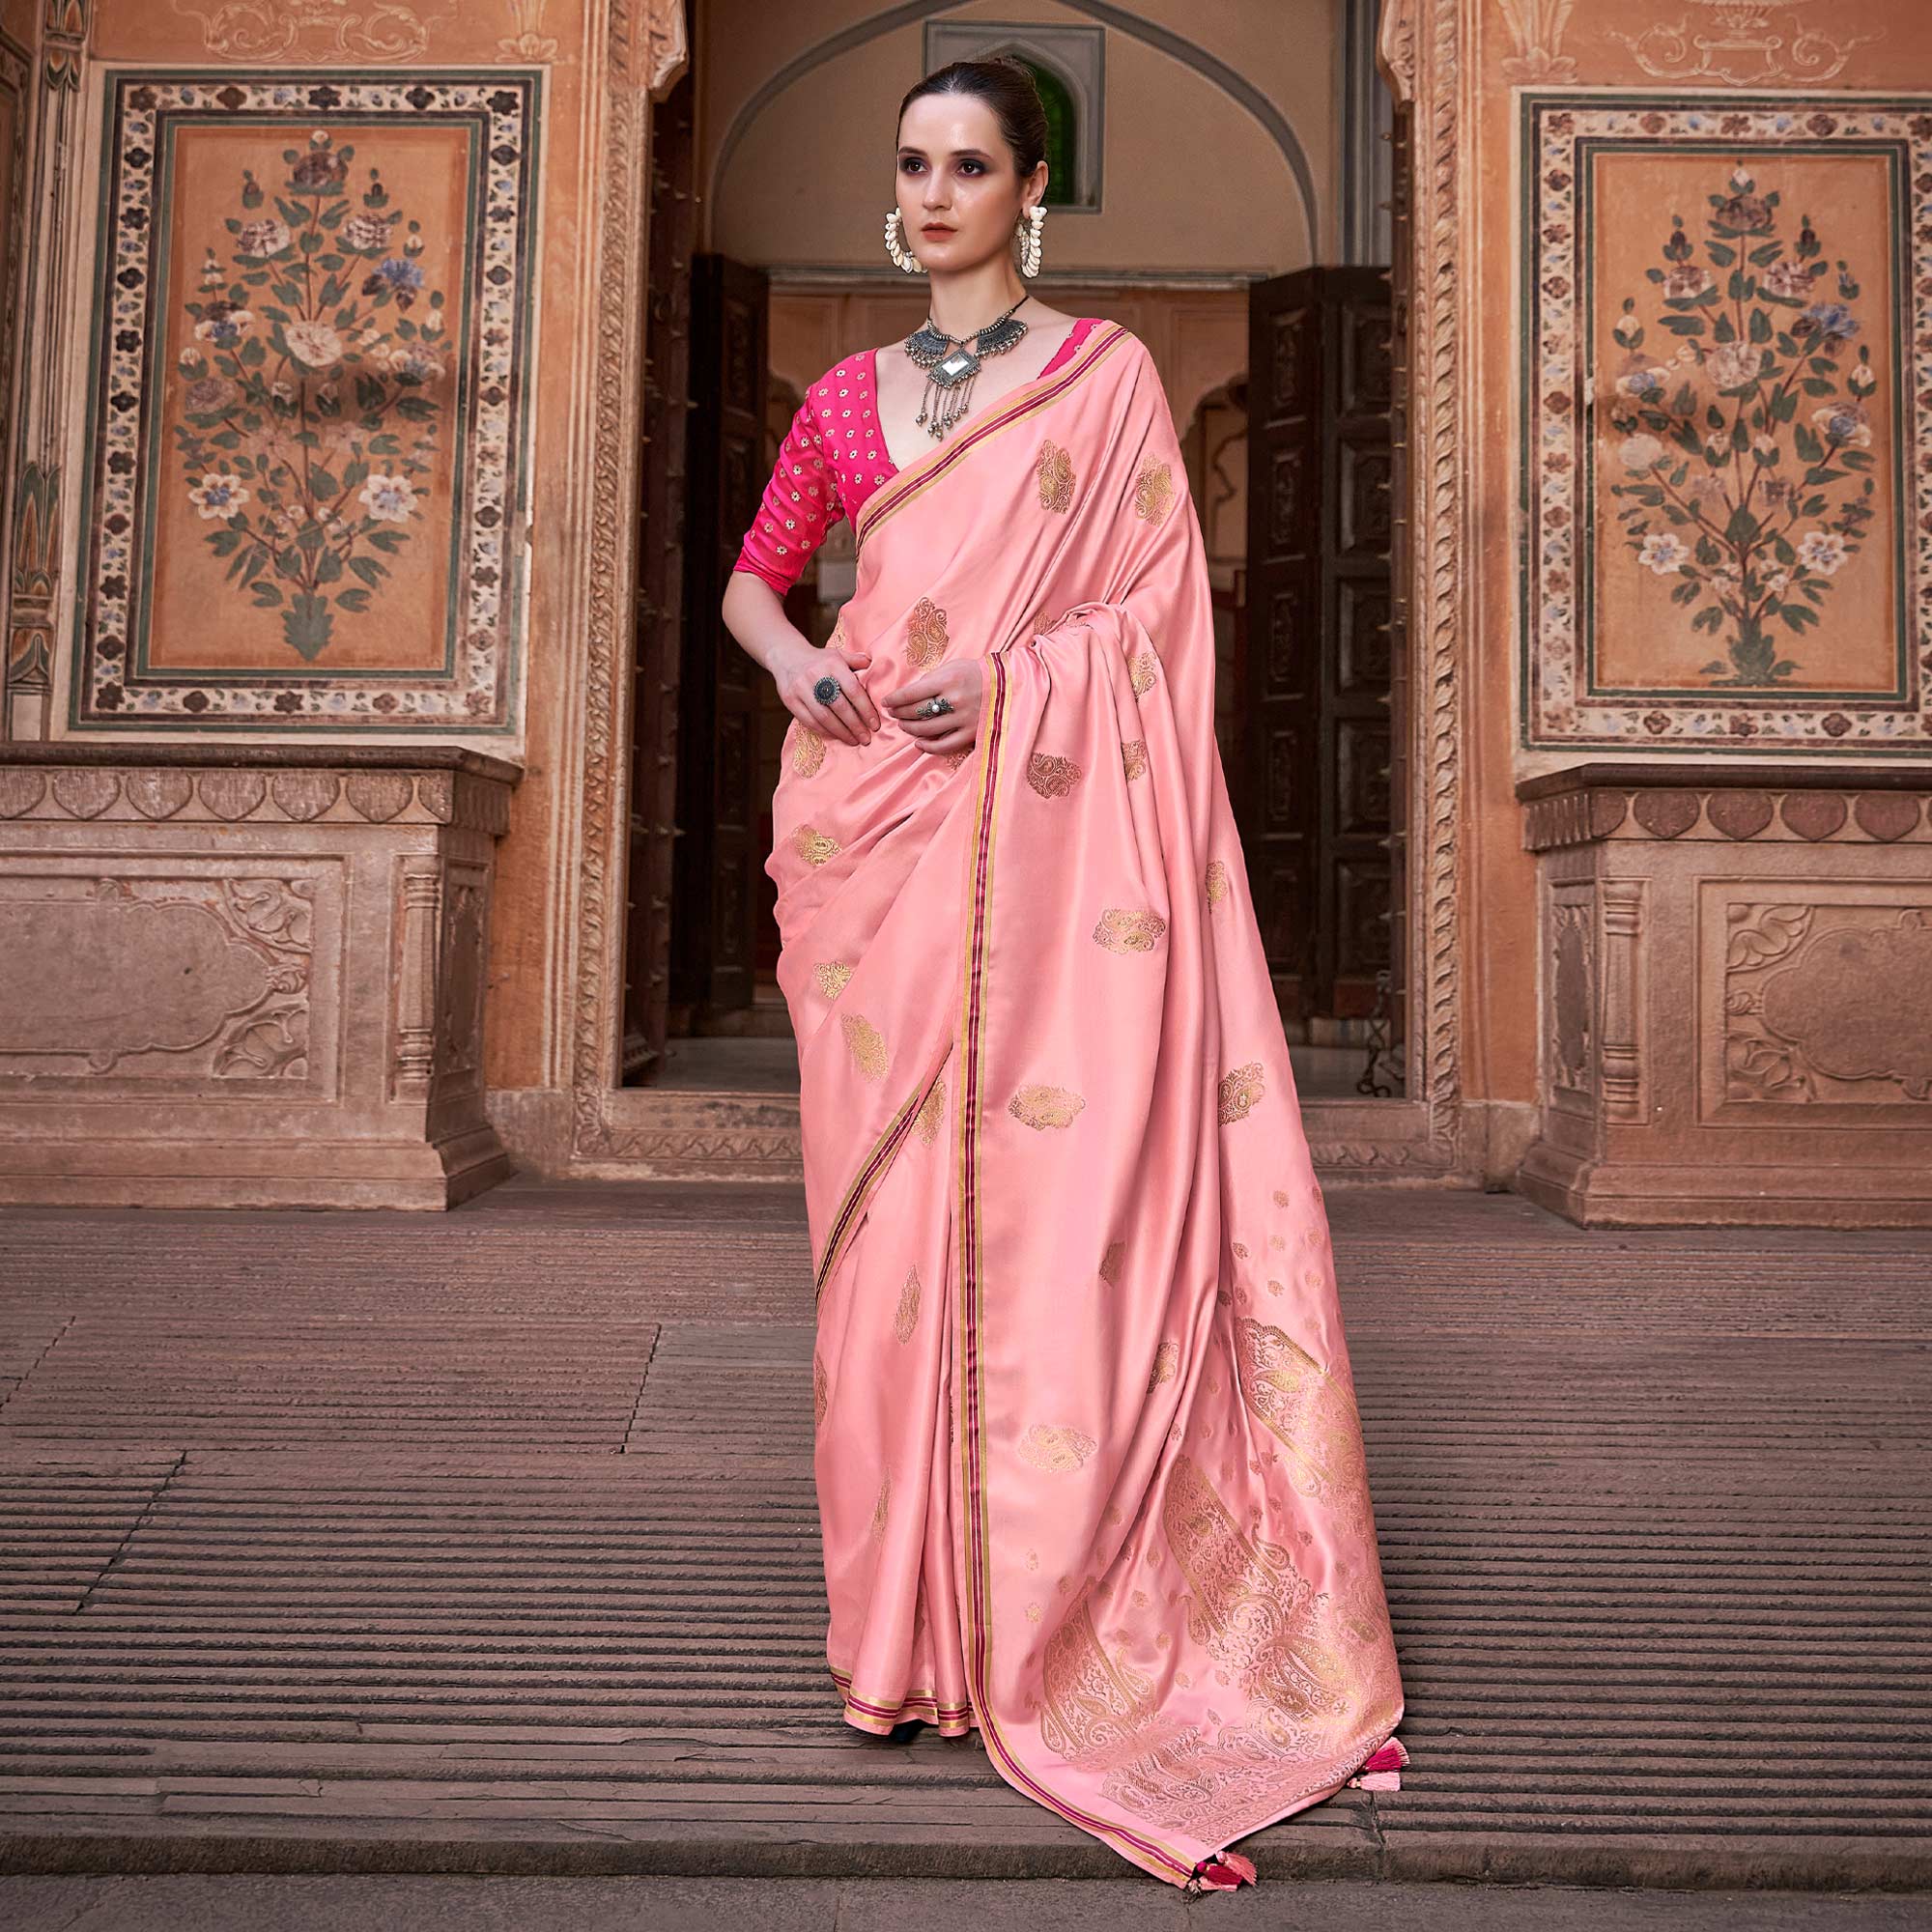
826, 690
935, 708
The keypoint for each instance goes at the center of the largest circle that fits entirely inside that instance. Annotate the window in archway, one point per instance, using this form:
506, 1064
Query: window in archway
1063, 189
1069, 66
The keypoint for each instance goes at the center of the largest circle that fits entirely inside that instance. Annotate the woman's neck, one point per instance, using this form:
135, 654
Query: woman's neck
961, 304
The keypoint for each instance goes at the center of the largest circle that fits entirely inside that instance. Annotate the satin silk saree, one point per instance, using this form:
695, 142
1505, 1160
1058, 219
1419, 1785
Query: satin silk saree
1088, 1461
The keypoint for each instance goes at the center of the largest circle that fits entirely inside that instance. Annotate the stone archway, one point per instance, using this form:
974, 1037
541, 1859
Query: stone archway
642, 1131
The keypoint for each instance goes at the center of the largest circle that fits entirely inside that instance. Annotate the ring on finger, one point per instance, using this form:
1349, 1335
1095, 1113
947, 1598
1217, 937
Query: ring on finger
826, 691
935, 708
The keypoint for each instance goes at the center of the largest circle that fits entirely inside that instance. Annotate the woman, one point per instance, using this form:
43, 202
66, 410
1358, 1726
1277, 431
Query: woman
1088, 1467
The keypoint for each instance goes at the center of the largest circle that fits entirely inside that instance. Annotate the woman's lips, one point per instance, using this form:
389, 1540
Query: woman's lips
935, 228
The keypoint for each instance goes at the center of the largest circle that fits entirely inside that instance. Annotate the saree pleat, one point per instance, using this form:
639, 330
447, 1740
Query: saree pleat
1089, 1466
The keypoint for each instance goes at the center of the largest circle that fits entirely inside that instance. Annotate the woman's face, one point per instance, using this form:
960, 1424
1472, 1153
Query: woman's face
959, 195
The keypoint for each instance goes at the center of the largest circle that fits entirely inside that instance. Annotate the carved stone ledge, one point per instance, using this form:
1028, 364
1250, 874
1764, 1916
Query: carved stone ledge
233, 979
1737, 967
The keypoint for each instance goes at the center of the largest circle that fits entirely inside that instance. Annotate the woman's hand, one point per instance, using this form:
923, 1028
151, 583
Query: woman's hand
851, 717
960, 684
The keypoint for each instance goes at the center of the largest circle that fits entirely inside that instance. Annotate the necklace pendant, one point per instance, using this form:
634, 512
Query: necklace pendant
954, 368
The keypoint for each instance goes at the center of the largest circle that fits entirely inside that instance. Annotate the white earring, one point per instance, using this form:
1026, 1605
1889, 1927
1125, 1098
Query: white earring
909, 263
1029, 239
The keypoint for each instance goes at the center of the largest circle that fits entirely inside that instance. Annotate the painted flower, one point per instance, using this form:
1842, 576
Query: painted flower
313, 343
1687, 283
1662, 553
218, 497
398, 276
1627, 328
1643, 382
190, 362
413, 362
1640, 453
1859, 378
1822, 551
1832, 321
318, 168
267, 237
224, 324
1844, 425
389, 499
210, 395
1790, 281
210, 271
1733, 364
1744, 210
367, 232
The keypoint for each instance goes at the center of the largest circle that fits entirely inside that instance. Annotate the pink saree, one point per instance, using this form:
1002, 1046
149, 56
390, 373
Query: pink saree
1088, 1466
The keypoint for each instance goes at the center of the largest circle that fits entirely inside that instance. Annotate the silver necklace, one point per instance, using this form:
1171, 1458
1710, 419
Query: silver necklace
951, 366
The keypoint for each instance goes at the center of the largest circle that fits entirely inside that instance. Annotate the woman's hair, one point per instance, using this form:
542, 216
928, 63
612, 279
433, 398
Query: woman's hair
1005, 84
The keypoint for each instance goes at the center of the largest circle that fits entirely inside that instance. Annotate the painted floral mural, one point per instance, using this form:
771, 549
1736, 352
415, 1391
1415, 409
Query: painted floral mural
311, 393
1741, 422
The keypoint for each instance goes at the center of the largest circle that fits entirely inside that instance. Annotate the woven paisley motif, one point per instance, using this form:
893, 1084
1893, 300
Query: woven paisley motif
1055, 470
1166, 1363
1217, 882
1134, 758
883, 1507
867, 1044
1051, 777
807, 749
1153, 492
1041, 1107
821, 1391
931, 1115
925, 635
1240, 1092
1055, 1448
1141, 674
1120, 930
907, 1318
830, 976
814, 846
1112, 1262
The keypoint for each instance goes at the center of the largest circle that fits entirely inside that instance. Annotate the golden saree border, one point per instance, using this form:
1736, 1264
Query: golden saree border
970, 1431
1029, 399
869, 1714
873, 1170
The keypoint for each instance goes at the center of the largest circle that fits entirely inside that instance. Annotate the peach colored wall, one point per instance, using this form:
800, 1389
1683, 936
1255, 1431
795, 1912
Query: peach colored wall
1860, 45
1192, 181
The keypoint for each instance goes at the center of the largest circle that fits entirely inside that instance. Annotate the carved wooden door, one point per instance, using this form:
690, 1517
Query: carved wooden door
1317, 817
718, 849
658, 626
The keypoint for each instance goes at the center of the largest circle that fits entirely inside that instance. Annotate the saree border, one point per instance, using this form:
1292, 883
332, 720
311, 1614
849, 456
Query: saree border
913, 1704
970, 1433
872, 1170
910, 483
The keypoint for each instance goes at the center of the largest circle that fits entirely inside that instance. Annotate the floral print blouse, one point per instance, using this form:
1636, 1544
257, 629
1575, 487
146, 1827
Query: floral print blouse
833, 458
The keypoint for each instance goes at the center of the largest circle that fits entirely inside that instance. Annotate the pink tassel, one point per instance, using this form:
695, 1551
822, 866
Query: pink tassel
1224, 1873
1381, 1769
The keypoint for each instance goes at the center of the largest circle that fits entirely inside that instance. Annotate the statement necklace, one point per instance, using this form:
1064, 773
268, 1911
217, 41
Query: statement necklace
951, 366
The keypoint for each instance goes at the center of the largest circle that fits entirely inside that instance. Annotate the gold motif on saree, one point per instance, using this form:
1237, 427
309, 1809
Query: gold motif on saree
1217, 883
1166, 1365
1040, 1107
867, 1044
1055, 1448
925, 635
953, 760
807, 749
1142, 672
814, 846
931, 1115
830, 976
1134, 759
907, 1318
1055, 473
1253, 1612
1240, 1092
1121, 930
1052, 776
1310, 1413
882, 1508
1153, 492
1112, 1262
821, 1391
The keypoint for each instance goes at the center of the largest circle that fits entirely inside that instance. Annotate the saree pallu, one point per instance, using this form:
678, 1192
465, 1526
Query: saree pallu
1089, 1466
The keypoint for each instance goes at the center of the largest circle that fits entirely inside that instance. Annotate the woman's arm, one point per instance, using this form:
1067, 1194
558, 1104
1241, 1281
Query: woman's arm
755, 618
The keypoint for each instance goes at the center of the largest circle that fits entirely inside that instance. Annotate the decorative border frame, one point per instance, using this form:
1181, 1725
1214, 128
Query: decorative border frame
477, 690
1560, 708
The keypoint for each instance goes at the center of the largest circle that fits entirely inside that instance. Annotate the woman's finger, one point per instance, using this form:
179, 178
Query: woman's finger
852, 687
826, 722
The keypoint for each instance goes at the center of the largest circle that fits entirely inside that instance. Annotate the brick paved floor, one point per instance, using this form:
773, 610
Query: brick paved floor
486, 1542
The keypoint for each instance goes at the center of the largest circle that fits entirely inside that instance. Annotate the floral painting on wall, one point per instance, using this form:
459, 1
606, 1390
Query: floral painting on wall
1725, 542
310, 408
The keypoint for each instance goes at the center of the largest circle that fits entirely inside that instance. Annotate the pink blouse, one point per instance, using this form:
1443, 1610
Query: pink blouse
833, 458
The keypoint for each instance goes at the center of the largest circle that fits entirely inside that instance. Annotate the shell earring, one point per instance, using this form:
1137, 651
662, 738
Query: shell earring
909, 263
1029, 239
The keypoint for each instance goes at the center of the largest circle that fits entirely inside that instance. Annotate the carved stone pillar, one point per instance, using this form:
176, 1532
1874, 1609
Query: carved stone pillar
1736, 1013
246, 976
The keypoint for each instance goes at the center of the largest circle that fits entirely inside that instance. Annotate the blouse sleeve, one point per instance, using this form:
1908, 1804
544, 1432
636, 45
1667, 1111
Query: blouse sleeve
799, 505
